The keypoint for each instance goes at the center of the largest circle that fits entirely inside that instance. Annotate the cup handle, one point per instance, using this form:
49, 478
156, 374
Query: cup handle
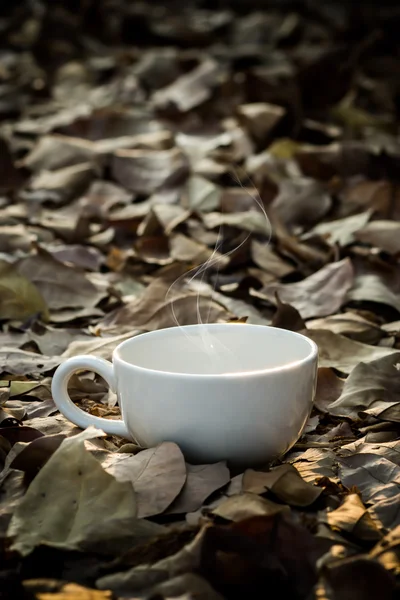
59, 388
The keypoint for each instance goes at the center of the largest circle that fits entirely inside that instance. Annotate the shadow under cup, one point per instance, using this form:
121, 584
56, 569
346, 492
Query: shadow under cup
233, 392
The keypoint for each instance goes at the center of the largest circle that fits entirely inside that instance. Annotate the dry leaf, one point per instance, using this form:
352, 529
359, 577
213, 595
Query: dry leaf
156, 474
372, 388
73, 510
337, 351
284, 482
60, 285
243, 506
201, 482
19, 297
320, 294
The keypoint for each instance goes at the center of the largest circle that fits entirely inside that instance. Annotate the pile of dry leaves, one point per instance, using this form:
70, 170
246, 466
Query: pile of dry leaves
138, 144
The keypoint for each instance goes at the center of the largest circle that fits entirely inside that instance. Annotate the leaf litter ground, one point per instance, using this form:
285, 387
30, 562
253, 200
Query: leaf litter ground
140, 149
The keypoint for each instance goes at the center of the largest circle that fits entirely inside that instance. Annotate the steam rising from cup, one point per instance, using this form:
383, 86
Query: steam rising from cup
209, 345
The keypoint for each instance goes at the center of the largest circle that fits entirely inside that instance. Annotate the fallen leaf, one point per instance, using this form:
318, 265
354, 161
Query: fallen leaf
372, 388
341, 574
381, 234
316, 463
56, 151
243, 506
341, 231
329, 388
260, 118
145, 171
19, 297
190, 89
60, 285
343, 354
375, 477
201, 194
320, 294
352, 517
251, 221
19, 362
72, 591
156, 474
58, 513
284, 482
351, 325
201, 482
301, 201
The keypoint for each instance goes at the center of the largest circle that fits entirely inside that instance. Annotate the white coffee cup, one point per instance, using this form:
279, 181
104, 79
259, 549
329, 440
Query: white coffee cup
233, 392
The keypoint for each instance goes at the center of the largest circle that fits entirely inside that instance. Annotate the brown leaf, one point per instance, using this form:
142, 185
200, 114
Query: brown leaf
284, 482
201, 482
55, 151
19, 297
268, 260
186, 586
315, 463
337, 351
32, 458
301, 201
287, 317
375, 581
351, 325
243, 506
374, 476
341, 231
329, 388
251, 221
372, 388
72, 591
145, 171
191, 89
260, 118
320, 294
352, 517
156, 474
20, 434
381, 234
372, 285
76, 515
201, 194
19, 362
103, 347
60, 285
63, 184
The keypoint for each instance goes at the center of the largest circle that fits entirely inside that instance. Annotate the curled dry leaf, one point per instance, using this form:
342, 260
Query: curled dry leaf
246, 505
190, 89
381, 234
343, 354
145, 171
74, 511
372, 388
156, 474
375, 477
352, 517
284, 482
201, 482
320, 294
351, 325
340, 231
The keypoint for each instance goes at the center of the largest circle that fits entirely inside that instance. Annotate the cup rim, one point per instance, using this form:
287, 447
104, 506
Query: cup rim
309, 358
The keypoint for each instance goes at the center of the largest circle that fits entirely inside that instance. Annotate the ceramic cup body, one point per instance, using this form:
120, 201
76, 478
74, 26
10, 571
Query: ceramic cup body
233, 392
